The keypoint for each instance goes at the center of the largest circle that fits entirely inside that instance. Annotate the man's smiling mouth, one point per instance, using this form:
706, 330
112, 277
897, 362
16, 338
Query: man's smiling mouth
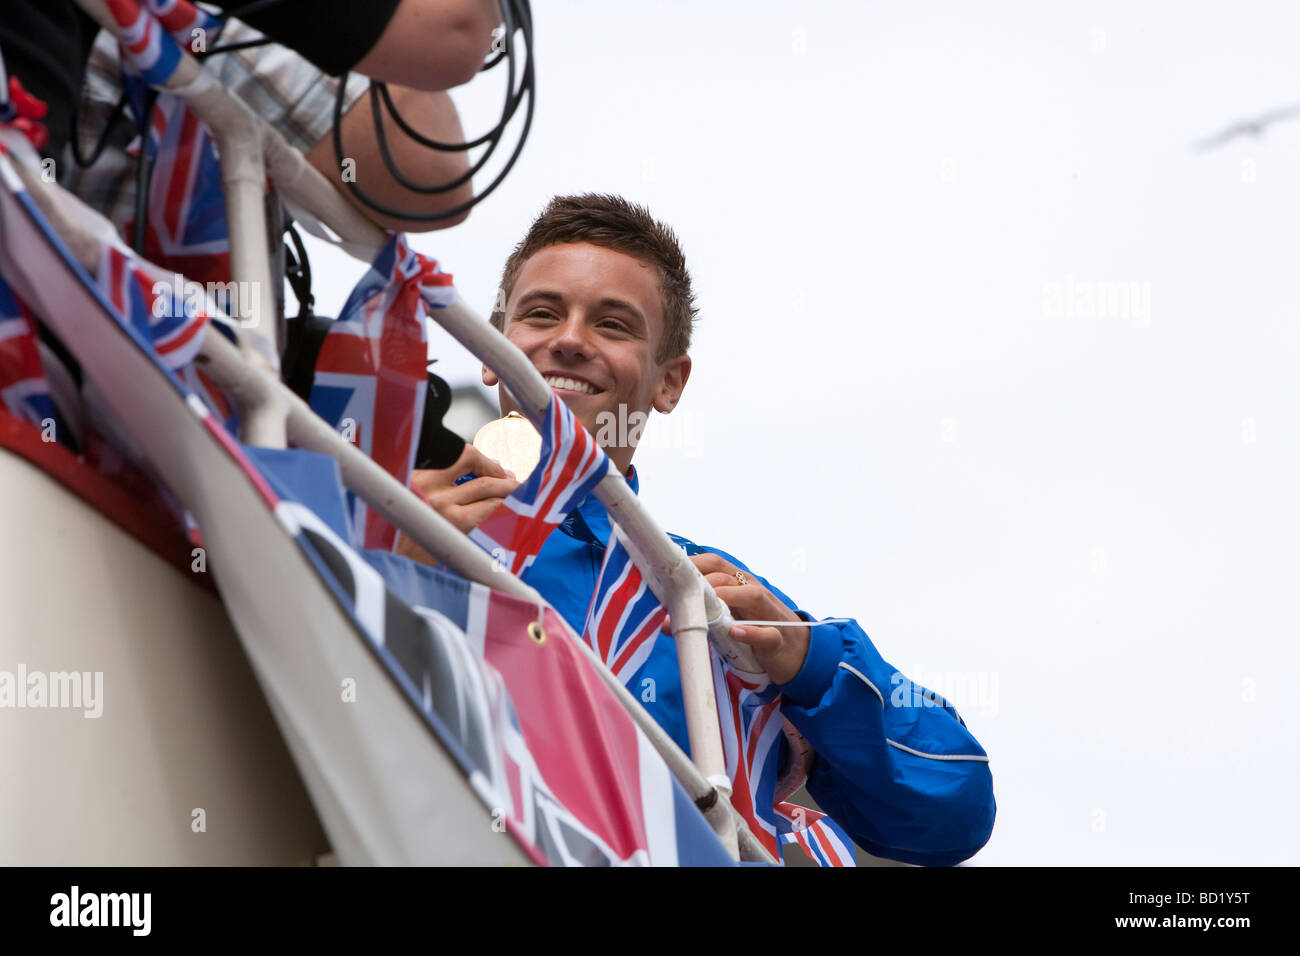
572, 384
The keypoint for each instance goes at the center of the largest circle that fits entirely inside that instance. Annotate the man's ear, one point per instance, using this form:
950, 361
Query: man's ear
672, 380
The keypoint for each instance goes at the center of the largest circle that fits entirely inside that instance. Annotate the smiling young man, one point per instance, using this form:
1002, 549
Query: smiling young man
598, 297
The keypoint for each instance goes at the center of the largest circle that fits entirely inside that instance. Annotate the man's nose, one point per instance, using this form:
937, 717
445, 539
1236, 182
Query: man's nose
572, 338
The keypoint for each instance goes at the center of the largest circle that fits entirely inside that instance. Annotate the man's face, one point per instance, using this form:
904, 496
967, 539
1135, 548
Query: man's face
590, 319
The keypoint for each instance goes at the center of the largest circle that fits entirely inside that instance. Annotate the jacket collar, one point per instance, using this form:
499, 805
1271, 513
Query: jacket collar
590, 521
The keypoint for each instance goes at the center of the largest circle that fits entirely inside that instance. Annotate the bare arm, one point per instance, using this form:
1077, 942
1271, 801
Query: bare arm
433, 44
431, 114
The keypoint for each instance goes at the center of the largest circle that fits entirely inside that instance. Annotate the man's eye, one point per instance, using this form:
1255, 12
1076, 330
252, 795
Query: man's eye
614, 324
539, 314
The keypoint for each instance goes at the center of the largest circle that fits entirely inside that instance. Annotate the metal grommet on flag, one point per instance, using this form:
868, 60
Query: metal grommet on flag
537, 632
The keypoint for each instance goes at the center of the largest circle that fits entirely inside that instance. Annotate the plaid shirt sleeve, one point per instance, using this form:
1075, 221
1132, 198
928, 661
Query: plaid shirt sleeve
296, 98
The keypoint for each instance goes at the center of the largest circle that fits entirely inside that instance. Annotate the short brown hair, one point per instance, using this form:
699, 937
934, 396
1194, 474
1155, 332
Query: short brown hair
614, 223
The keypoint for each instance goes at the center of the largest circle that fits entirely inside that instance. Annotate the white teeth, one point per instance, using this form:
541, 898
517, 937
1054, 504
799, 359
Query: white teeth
555, 381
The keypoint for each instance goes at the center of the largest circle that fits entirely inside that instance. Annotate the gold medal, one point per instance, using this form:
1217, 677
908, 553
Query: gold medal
513, 441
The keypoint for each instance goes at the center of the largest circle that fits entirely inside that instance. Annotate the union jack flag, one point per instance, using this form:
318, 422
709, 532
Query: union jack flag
624, 617
186, 228
174, 333
816, 834
752, 728
143, 295
751, 722
24, 391
572, 464
370, 372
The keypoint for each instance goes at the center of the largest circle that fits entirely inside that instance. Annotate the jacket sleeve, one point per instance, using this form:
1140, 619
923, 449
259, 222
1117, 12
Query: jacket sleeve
896, 765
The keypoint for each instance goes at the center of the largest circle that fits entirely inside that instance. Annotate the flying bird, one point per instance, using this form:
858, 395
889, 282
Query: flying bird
1251, 127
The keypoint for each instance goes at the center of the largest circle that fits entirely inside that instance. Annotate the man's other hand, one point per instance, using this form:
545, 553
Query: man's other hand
779, 650
464, 505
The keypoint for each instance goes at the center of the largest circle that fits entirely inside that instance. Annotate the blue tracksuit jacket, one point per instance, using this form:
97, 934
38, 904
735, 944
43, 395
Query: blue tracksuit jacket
902, 774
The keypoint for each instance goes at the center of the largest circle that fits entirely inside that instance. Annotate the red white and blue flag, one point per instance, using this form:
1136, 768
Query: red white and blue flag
24, 391
751, 722
143, 294
624, 617
145, 42
816, 834
187, 23
185, 228
371, 377
154, 32
571, 465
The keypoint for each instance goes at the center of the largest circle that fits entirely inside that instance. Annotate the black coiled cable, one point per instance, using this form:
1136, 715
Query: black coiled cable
518, 19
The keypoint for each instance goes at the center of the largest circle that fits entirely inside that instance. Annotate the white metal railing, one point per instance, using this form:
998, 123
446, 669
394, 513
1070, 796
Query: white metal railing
275, 417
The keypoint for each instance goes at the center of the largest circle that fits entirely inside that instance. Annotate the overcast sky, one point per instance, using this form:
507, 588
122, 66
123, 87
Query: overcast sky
988, 359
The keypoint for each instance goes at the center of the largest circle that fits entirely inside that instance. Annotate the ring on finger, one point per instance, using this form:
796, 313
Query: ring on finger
741, 579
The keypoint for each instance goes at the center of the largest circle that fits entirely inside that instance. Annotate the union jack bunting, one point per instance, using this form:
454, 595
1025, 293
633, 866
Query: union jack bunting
462, 655
624, 618
24, 392
816, 834
143, 295
751, 722
571, 465
128, 286
597, 794
153, 34
183, 20
145, 42
185, 228
371, 377
752, 728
